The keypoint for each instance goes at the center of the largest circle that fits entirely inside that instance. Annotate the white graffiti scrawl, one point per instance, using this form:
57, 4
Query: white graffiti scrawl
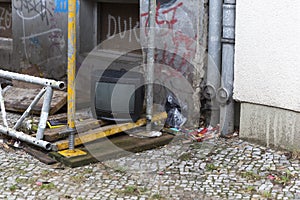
5, 18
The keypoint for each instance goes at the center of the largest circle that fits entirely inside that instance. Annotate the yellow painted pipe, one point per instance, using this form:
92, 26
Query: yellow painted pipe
71, 62
105, 131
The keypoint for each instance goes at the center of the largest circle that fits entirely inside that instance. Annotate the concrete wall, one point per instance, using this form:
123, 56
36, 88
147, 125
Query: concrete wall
270, 126
267, 71
267, 61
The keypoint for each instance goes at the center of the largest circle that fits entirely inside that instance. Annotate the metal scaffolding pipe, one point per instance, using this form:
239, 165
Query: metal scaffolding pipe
32, 79
3, 111
26, 138
28, 110
224, 94
44, 113
150, 64
71, 69
214, 57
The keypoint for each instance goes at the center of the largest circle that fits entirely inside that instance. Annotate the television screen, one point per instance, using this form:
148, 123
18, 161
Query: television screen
115, 97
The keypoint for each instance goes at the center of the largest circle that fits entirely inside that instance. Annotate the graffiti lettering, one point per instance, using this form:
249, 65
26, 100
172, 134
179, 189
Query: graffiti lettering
165, 20
34, 41
5, 18
61, 6
57, 40
161, 18
33, 9
115, 27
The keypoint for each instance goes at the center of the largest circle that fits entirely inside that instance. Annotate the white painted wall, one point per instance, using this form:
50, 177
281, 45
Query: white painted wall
267, 60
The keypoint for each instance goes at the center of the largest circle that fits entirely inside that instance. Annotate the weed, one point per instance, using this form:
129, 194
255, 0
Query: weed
32, 180
250, 175
211, 167
13, 188
49, 186
20, 180
88, 171
157, 196
45, 172
20, 171
266, 194
121, 169
285, 178
250, 188
79, 198
77, 179
133, 190
185, 156
130, 189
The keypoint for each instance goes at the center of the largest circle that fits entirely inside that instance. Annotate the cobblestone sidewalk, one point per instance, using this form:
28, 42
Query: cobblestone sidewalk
221, 169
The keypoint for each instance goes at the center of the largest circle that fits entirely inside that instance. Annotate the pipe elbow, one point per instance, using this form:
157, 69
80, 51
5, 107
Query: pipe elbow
209, 92
223, 95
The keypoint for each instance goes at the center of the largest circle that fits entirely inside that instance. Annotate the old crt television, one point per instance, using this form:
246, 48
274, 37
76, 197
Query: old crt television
117, 95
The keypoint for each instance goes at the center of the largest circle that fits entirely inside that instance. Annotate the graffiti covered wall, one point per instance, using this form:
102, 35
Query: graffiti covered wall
5, 34
180, 43
40, 37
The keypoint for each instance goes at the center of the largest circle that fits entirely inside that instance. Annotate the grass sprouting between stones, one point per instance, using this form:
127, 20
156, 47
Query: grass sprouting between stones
211, 167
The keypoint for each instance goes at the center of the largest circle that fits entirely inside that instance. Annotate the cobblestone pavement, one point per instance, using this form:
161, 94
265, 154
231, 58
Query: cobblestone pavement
220, 169
216, 169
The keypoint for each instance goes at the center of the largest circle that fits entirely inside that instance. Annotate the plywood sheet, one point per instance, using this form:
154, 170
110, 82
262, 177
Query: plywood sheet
18, 100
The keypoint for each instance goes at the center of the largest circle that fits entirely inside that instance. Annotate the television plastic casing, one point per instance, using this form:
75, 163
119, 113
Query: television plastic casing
118, 77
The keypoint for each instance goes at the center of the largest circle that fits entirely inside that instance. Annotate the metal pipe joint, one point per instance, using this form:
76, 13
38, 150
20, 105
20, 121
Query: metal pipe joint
209, 91
223, 95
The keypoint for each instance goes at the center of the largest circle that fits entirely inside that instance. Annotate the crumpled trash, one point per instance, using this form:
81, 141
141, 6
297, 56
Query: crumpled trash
175, 118
17, 144
146, 134
271, 177
203, 134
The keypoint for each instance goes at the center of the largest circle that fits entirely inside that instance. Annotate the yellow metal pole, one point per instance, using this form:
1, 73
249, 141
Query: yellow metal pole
71, 69
71, 81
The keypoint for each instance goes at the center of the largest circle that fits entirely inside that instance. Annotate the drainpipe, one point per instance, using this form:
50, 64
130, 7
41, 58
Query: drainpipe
150, 64
224, 93
214, 57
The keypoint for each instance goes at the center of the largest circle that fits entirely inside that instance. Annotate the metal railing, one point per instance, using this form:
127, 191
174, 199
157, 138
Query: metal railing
47, 92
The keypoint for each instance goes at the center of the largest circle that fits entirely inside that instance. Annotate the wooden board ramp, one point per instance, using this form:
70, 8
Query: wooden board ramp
18, 99
112, 148
105, 131
100, 140
55, 134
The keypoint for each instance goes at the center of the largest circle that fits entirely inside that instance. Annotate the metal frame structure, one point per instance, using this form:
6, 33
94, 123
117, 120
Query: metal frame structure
47, 92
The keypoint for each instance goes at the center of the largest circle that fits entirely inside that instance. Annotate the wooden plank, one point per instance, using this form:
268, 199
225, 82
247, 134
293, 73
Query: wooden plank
111, 148
105, 131
55, 134
18, 100
40, 155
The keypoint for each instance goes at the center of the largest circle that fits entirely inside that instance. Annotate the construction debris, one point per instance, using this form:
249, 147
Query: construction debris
198, 135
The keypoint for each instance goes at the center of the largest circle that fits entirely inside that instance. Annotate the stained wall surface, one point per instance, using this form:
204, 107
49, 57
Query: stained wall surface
267, 61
